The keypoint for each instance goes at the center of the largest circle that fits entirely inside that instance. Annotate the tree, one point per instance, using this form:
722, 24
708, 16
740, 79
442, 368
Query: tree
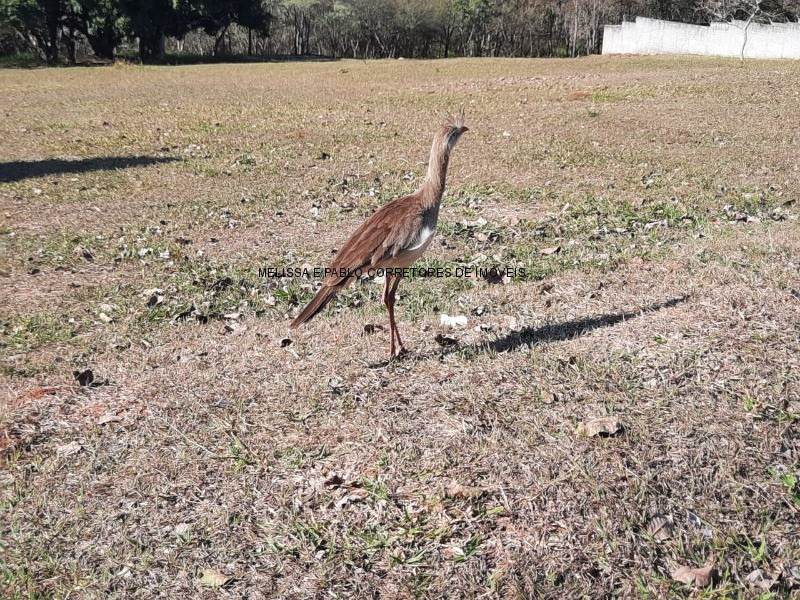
300, 16
38, 22
152, 20
341, 30
101, 22
216, 16
476, 19
445, 19
741, 13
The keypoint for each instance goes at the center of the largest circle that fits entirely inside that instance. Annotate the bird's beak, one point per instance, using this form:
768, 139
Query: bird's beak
464, 129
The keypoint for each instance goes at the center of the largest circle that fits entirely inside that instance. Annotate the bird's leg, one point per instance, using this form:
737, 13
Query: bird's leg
390, 308
393, 324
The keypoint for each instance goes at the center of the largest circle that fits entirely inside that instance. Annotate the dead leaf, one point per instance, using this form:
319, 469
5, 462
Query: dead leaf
221, 284
494, 276
34, 395
333, 480
155, 300
699, 577
453, 552
68, 449
698, 523
445, 341
371, 328
234, 327
5, 444
761, 580
86, 379
213, 578
661, 527
549, 251
456, 490
85, 252
107, 418
603, 426
348, 499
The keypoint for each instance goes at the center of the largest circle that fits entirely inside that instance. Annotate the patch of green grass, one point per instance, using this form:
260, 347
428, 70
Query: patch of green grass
61, 249
24, 333
597, 233
791, 482
300, 458
377, 489
21, 60
240, 453
607, 96
469, 549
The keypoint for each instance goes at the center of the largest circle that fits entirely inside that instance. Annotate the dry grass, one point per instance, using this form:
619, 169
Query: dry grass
318, 470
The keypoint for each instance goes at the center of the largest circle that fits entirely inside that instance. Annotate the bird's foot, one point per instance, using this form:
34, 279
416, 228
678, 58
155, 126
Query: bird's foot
397, 352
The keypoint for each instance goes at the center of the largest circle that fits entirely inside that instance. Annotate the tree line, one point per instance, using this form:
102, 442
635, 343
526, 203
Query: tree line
58, 30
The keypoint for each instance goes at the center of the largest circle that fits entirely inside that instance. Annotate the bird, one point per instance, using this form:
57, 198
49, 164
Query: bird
394, 237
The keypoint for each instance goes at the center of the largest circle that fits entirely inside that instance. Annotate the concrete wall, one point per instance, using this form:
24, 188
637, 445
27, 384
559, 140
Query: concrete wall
651, 36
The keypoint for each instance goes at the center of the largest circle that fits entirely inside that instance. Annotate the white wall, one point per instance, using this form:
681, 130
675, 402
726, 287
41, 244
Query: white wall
651, 36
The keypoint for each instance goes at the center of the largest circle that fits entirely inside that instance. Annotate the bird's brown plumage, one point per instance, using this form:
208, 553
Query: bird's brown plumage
396, 235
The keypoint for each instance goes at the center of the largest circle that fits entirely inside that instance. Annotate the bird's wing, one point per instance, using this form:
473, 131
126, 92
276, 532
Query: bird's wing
386, 234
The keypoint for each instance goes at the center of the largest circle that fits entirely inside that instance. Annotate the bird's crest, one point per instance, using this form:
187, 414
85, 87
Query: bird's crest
457, 120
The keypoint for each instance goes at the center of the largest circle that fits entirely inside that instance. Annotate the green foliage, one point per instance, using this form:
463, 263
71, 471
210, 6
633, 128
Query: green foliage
357, 28
101, 21
46, 24
36, 22
25, 60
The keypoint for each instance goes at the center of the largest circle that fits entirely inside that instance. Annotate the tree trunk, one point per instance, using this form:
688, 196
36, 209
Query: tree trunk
104, 43
306, 49
219, 43
52, 19
575, 31
71, 45
448, 35
152, 46
296, 33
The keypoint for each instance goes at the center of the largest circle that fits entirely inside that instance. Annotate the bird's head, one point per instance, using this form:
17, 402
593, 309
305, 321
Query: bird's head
453, 128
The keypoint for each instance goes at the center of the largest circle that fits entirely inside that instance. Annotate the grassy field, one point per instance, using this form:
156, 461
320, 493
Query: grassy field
653, 203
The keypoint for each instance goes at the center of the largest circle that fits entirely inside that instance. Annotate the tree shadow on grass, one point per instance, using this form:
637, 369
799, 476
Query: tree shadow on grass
17, 170
530, 336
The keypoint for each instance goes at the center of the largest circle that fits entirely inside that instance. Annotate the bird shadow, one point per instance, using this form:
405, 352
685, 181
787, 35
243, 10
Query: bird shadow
559, 332
17, 170
531, 336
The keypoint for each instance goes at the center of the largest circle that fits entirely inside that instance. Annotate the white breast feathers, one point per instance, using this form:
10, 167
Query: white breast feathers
424, 236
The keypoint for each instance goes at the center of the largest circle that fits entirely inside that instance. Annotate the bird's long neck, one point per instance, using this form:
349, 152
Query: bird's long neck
433, 188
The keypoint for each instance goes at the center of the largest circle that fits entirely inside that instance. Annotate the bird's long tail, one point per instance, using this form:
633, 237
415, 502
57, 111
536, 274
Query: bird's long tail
318, 302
